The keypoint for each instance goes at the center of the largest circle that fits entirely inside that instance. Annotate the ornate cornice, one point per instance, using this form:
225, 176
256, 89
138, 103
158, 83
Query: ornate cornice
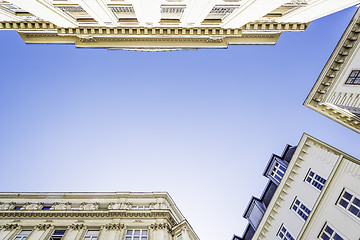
89, 214
218, 31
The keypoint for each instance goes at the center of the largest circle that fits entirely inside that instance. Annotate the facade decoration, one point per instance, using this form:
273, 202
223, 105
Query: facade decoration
161, 25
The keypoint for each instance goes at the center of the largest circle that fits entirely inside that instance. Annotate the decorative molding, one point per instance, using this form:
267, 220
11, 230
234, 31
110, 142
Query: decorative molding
89, 214
7, 206
89, 206
76, 226
114, 226
42, 227
9, 227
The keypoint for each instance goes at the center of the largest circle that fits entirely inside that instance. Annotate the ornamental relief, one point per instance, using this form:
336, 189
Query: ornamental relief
61, 206
32, 206
7, 206
89, 206
9, 227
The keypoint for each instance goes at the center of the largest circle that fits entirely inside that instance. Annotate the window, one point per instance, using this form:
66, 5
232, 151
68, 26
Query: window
350, 202
300, 209
135, 234
328, 233
278, 171
91, 235
57, 235
354, 78
22, 235
284, 234
46, 207
315, 180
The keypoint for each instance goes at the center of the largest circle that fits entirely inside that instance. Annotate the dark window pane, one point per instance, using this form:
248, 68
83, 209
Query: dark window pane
325, 237
356, 202
354, 210
311, 173
347, 195
343, 203
337, 237
329, 230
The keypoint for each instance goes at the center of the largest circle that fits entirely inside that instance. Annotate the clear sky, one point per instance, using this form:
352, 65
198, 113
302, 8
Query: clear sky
199, 124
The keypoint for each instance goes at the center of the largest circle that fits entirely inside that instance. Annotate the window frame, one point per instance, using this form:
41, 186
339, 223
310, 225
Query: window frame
53, 234
275, 168
299, 208
350, 204
331, 237
313, 179
91, 236
23, 237
141, 235
284, 233
354, 78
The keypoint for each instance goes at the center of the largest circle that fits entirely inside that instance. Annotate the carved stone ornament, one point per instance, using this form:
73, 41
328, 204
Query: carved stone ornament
114, 206
61, 206
7, 206
114, 226
158, 226
77, 226
32, 206
9, 227
89, 206
42, 227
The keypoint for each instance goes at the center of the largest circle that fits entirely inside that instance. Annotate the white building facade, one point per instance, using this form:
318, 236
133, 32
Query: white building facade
92, 216
336, 93
161, 24
318, 197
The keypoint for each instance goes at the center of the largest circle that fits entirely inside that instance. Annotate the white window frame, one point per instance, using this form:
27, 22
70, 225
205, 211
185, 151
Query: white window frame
276, 170
285, 232
299, 208
89, 236
314, 180
350, 203
53, 232
21, 236
141, 235
330, 235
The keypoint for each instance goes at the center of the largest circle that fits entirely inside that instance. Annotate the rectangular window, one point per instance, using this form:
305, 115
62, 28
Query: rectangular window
315, 180
300, 209
278, 171
350, 202
284, 234
136, 234
354, 78
91, 235
22, 235
328, 233
46, 208
57, 235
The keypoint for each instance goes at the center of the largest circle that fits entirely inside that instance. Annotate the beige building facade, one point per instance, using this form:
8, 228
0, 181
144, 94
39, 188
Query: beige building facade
336, 93
92, 216
160, 25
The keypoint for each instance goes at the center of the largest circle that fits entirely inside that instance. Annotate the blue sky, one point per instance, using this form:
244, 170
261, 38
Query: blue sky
198, 124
